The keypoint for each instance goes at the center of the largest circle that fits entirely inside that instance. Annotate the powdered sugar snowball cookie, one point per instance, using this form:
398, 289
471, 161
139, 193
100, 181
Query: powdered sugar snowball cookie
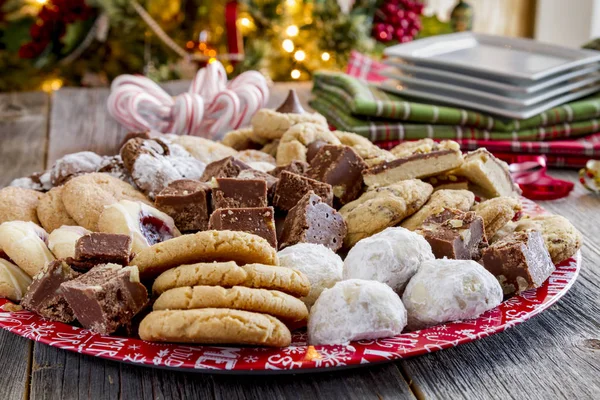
154, 164
25, 244
39, 181
449, 290
61, 241
143, 223
13, 281
321, 265
355, 309
391, 256
73, 165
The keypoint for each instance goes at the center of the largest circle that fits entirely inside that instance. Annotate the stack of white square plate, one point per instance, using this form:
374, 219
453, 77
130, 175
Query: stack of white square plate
509, 77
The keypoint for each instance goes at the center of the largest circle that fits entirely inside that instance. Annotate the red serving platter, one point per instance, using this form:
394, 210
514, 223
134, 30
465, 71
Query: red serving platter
299, 357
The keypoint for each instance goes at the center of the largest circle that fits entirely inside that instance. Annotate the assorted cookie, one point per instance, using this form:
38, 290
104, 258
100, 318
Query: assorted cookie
238, 240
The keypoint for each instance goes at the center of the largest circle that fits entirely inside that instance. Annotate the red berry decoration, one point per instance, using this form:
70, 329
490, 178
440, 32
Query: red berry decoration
397, 20
51, 24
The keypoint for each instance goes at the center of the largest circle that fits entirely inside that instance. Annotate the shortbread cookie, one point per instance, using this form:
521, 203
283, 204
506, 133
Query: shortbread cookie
18, 204
449, 290
154, 164
62, 241
423, 162
355, 310
320, 265
459, 199
52, 212
243, 139
490, 175
86, 196
214, 325
13, 281
271, 148
391, 256
228, 274
73, 165
254, 156
270, 124
411, 147
560, 236
371, 153
293, 145
383, 207
448, 181
25, 244
278, 304
143, 223
202, 149
497, 212
241, 247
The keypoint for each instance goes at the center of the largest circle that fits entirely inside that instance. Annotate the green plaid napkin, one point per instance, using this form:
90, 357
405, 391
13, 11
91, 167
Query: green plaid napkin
363, 108
336, 109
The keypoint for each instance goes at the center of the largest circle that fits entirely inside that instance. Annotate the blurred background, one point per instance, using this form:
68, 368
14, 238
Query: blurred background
47, 44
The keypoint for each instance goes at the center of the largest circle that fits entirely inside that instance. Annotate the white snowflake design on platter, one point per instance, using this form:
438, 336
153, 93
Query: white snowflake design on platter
294, 349
35, 331
136, 358
333, 357
158, 358
251, 359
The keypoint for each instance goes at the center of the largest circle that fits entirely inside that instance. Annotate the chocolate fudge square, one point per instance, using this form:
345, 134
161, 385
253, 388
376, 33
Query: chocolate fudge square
229, 167
519, 261
103, 248
106, 297
44, 296
258, 221
455, 234
292, 187
188, 202
341, 167
296, 167
269, 179
313, 221
239, 193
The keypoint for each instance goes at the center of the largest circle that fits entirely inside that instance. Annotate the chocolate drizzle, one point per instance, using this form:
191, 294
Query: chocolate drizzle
291, 105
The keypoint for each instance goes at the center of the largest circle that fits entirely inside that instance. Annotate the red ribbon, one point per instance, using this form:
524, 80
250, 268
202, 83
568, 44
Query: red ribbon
529, 172
234, 38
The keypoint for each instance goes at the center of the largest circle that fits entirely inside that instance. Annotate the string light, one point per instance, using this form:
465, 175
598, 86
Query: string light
52, 85
229, 68
211, 60
292, 30
42, 2
288, 45
325, 56
299, 55
245, 22
295, 74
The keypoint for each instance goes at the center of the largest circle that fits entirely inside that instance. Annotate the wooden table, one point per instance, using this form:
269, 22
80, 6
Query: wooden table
554, 355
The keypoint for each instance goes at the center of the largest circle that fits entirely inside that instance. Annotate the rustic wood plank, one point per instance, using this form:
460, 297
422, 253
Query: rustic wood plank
23, 138
378, 382
23, 126
554, 355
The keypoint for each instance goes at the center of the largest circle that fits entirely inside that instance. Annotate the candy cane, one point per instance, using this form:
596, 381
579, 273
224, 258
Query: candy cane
211, 106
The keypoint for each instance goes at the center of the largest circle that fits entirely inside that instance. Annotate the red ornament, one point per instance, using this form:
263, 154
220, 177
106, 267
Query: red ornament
397, 20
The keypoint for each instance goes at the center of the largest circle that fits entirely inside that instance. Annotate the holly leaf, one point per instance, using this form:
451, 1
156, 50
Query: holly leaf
16, 34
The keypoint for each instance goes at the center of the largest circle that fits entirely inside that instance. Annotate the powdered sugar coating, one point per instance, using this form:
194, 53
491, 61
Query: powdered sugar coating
353, 310
449, 290
391, 256
152, 174
40, 182
321, 265
74, 164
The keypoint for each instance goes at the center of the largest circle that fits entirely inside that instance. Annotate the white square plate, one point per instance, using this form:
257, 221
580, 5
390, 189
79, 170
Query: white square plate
472, 92
503, 88
445, 97
494, 57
